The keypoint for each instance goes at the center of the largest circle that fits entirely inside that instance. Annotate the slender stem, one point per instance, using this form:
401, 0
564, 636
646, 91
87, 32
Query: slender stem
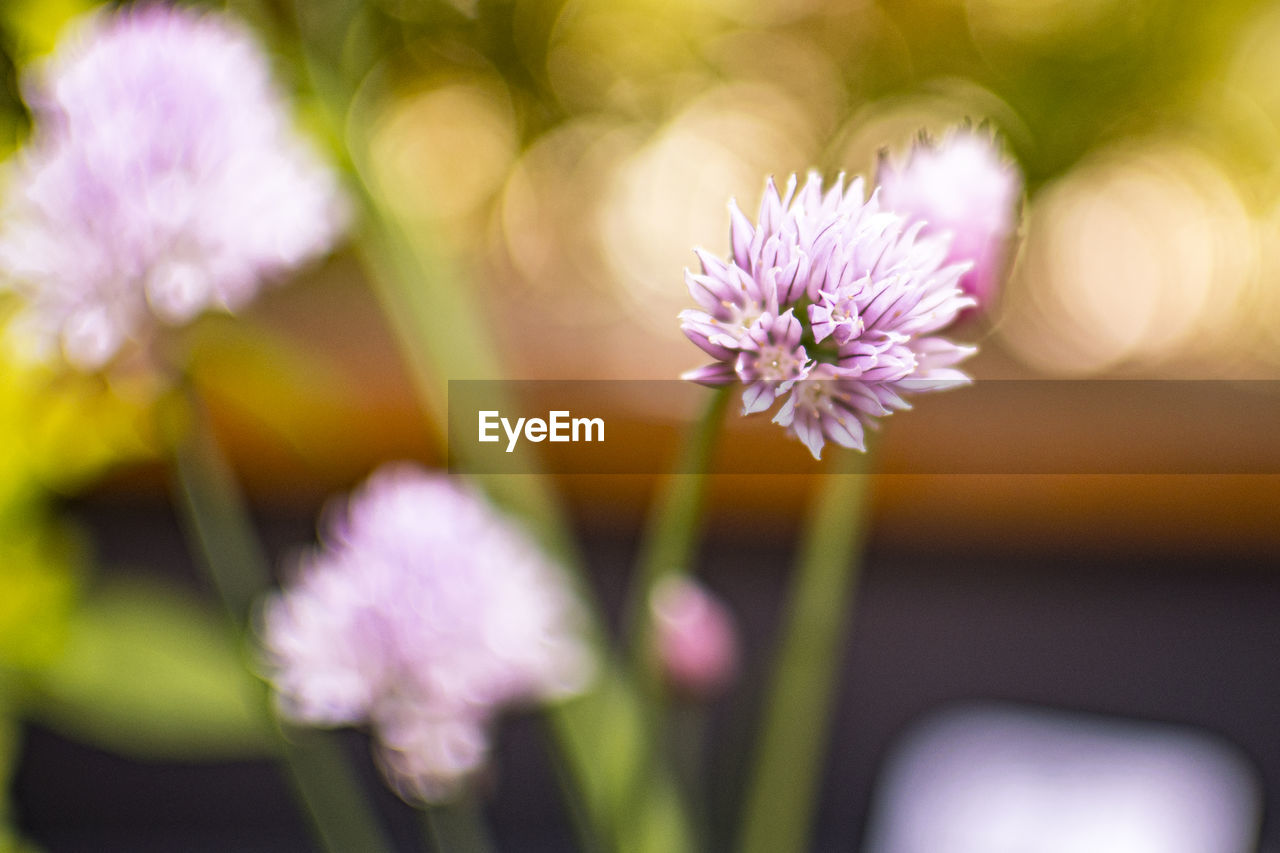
685, 734
335, 800
669, 543
780, 799
629, 794
215, 515
457, 827
674, 522
219, 525
442, 337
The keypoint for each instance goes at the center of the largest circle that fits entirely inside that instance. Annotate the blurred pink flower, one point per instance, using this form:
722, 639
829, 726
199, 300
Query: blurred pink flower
963, 186
423, 615
162, 179
831, 301
694, 638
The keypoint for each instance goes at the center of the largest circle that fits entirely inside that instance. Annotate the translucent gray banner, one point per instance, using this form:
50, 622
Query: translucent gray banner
987, 427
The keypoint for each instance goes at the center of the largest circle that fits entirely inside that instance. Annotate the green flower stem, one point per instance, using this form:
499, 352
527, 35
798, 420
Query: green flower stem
336, 802
674, 521
668, 547
457, 827
685, 733
214, 513
219, 525
780, 800
442, 337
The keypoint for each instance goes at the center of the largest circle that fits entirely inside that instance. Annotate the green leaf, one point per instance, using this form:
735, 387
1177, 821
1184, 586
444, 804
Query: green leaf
39, 584
152, 673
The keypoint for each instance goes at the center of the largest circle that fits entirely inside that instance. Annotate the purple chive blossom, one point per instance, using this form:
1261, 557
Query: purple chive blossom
962, 186
770, 360
423, 615
163, 178
832, 301
835, 315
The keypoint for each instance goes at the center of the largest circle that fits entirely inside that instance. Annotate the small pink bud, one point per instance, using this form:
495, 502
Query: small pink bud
694, 638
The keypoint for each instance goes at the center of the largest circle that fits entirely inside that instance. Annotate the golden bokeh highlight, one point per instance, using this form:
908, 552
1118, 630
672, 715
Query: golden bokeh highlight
441, 153
671, 194
1099, 26
1141, 259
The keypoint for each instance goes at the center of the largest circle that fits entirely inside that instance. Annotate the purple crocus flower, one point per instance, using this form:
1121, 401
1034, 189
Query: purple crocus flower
961, 185
834, 302
423, 614
163, 178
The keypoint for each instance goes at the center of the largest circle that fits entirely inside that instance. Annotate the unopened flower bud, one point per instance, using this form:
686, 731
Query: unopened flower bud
694, 638
962, 186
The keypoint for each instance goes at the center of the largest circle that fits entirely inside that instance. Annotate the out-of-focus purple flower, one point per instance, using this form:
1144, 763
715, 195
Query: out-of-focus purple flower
833, 301
163, 178
423, 615
961, 185
694, 638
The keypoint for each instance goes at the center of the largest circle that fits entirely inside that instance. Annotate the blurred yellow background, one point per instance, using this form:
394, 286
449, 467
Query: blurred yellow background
565, 157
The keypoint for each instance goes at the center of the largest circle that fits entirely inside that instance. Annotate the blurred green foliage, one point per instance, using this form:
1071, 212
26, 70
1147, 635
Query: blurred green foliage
57, 432
137, 667
39, 588
152, 672
1070, 76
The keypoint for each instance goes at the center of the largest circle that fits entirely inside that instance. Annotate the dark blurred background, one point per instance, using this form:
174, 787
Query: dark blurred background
1161, 634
